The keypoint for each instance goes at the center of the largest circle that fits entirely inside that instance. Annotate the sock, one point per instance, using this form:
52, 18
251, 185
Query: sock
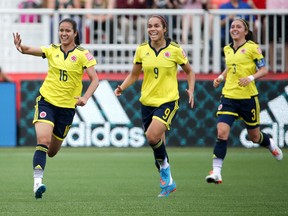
265, 141
160, 153
219, 153
39, 162
164, 164
220, 149
161, 157
158, 165
37, 183
217, 165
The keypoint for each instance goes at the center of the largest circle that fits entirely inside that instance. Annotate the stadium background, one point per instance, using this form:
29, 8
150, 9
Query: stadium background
190, 128
196, 127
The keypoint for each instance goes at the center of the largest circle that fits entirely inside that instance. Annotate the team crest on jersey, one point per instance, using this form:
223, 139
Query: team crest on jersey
183, 53
259, 50
89, 56
220, 107
73, 58
167, 54
243, 51
43, 114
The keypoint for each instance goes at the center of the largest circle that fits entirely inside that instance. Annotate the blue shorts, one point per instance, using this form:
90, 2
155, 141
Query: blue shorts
60, 118
164, 113
246, 109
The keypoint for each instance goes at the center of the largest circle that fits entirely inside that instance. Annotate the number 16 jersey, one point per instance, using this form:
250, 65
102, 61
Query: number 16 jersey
65, 72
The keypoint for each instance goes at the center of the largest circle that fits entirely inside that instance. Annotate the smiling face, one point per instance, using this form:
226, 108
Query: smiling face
67, 34
156, 29
238, 30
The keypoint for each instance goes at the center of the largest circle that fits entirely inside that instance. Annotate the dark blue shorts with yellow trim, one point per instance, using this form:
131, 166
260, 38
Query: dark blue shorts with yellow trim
246, 109
60, 118
164, 113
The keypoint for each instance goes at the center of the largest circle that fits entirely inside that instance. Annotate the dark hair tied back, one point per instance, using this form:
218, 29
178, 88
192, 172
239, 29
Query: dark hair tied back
249, 35
74, 26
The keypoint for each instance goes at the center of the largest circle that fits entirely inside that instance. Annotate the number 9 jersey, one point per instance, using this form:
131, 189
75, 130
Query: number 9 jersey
160, 69
65, 72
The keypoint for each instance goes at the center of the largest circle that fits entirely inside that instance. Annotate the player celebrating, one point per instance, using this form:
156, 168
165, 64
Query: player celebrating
158, 58
59, 94
239, 95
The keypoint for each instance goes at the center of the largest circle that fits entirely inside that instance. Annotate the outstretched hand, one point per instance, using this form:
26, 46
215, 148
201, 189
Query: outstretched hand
17, 41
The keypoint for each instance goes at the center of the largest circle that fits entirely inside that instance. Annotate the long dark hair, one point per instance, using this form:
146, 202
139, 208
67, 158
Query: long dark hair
74, 26
250, 35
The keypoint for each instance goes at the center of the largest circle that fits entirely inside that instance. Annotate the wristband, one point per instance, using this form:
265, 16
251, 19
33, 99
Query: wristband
221, 77
251, 78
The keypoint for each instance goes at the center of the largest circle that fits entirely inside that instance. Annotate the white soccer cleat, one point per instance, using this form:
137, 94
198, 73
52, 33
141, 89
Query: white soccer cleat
277, 153
214, 178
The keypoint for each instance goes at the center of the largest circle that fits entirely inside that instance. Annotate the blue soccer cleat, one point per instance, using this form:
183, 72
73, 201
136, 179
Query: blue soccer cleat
164, 177
39, 191
165, 192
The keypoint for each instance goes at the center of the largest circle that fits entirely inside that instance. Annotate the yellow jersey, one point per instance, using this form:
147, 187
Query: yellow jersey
160, 84
241, 63
65, 72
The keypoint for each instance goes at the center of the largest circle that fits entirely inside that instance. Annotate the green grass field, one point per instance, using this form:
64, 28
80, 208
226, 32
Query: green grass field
113, 181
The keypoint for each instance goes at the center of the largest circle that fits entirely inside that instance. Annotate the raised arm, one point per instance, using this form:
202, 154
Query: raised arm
36, 51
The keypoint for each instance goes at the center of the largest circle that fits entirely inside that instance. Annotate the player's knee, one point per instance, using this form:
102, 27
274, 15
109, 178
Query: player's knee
254, 138
222, 134
45, 141
152, 138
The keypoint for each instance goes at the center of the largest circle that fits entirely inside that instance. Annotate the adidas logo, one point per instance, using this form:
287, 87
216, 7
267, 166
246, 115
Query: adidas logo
275, 120
103, 122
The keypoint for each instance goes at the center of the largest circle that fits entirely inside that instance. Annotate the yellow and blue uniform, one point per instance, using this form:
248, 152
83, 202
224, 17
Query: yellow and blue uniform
64, 78
239, 101
159, 92
241, 63
160, 83
56, 103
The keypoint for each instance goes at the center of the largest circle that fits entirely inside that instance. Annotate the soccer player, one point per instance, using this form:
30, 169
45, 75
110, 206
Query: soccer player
158, 58
59, 94
244, 64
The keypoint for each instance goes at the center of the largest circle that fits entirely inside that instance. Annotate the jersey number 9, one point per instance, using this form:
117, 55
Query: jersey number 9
156, 72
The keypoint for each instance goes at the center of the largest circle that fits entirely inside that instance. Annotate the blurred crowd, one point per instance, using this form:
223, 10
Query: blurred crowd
99, 22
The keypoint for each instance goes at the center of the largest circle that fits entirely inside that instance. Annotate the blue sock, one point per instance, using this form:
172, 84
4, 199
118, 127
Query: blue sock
39, 159
160, 153
264, 140
220, 149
